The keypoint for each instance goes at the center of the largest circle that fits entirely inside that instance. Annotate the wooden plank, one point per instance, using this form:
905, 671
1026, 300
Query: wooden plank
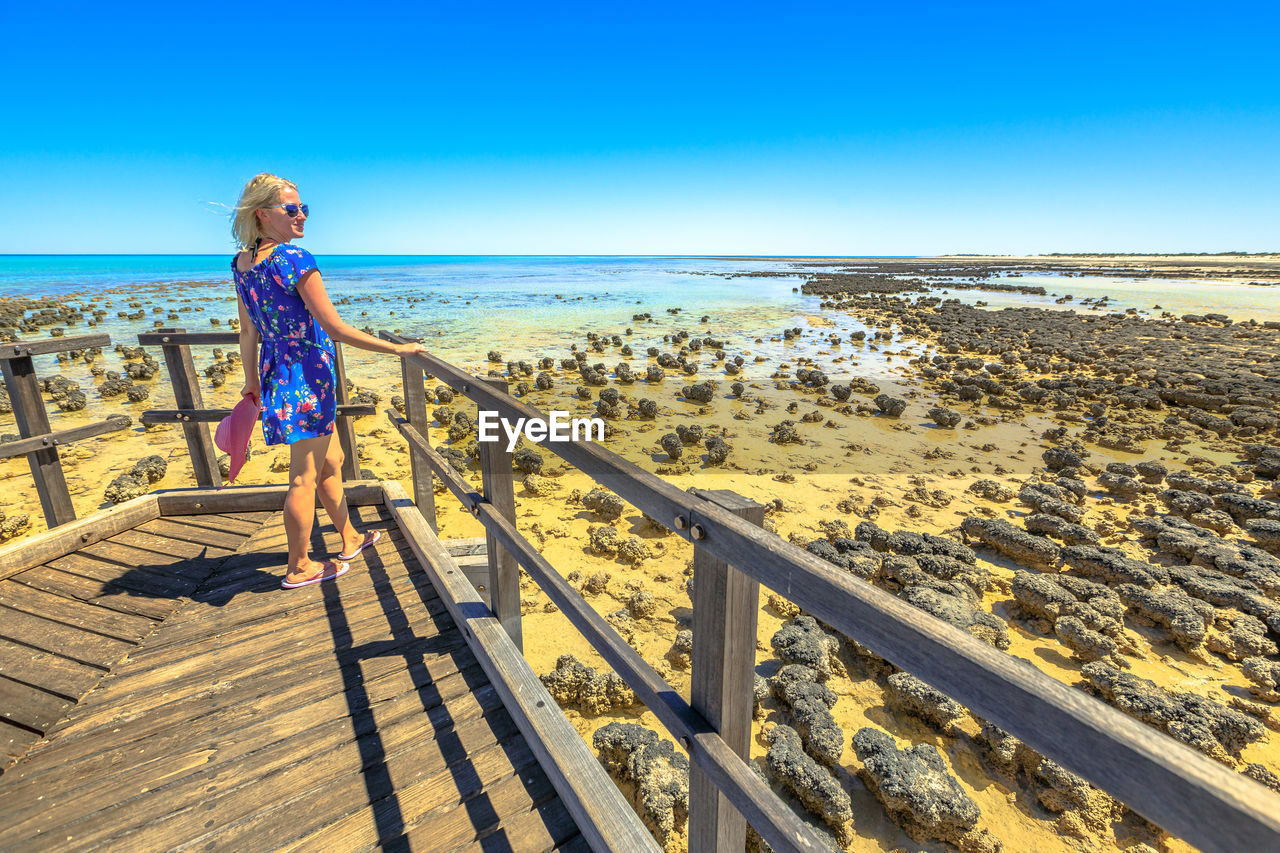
213, 416
177, 551
536, 831
144, 580
29, 411
73, 643
186, 395
251, 498
200, 534
227, 523
1163, 780
22, 446
65, 539
101, 594
167, 672
381, 820
142, 553
161, 337
436, 735
14, 743
577, 844
504, 572
344, 428
29, 706
415, 411
424, 672
119, 736
725, 606
465, 547
49, 672
590, 795
77, 614
44, 346
214, 763
457, 826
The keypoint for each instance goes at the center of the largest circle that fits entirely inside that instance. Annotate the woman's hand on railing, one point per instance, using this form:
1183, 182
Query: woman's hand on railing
411, 348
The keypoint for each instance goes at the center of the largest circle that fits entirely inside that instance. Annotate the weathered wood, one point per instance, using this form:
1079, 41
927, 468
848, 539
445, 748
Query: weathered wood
186, 394
150, 581
22, 446
44, 346
472, 717
213, 416
725, 606
77, 614
513, 796
99, 593
499, 492
72, 643
29, 706
1161, 779
345, 429
189, 339
151, 550
415, 411
14, 743
251, 498
48, 671
29, 411
350, 816
63, 540
464, 547
184, 530
772, 818
587, 791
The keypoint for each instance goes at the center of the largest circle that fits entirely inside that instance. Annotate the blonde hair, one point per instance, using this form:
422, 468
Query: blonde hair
263, 190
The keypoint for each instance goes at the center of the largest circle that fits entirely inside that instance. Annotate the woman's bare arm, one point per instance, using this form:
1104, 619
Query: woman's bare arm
311, 289
248, 347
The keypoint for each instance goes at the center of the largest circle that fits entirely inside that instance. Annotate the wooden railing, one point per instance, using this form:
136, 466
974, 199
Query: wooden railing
1160, 778
195, 419
39, 443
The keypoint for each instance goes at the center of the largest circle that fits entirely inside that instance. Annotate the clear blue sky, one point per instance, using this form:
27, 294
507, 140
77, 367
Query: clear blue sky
688, 128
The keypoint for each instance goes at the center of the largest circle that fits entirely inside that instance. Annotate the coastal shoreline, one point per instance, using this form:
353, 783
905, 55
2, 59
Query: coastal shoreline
846, 458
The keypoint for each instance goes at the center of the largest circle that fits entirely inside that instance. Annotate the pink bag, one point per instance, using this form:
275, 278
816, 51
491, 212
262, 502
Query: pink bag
235, 430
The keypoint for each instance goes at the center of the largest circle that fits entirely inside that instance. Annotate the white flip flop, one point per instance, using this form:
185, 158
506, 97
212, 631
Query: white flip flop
323, 576
377, 536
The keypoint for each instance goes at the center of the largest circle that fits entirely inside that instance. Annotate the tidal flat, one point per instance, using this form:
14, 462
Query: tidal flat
1075, 460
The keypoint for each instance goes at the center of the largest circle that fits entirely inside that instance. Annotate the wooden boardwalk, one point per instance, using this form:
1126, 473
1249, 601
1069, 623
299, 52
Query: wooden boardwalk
168, 695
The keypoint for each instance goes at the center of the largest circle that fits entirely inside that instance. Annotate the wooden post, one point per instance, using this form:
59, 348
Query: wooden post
499, 491
415, 411
186, 393
345, 429
725, 608
29, 411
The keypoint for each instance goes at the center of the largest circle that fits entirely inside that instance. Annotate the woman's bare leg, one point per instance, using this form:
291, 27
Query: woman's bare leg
334, 498
306, 457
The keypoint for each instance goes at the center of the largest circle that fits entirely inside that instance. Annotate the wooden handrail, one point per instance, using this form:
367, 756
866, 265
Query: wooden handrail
748, 793
37, 439
213, 416
1158, 777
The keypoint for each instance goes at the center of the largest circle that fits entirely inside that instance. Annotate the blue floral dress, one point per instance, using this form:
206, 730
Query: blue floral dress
296, 357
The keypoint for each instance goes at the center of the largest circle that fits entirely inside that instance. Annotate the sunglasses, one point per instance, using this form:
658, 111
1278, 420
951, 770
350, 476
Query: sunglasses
292, 210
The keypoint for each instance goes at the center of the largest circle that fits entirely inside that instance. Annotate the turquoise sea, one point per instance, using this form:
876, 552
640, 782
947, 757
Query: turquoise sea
465, 306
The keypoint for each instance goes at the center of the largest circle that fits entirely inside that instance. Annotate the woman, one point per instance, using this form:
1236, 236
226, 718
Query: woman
284, 307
